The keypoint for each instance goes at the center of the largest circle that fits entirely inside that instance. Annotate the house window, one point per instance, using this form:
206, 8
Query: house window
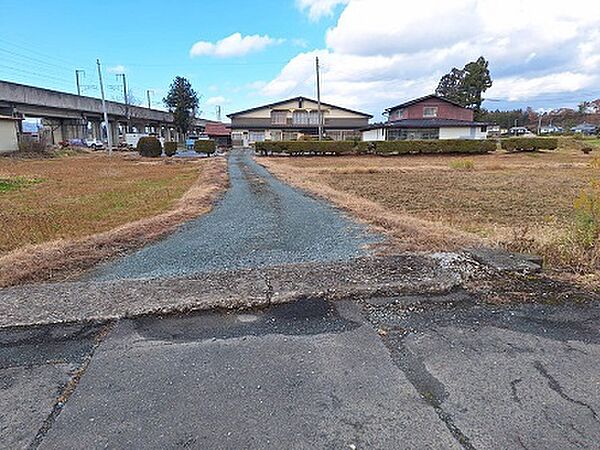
290, 136
256, 136
405, 134
300, 118
484, 129
278, 117
430, 111
276, 135
335, 135
313, 117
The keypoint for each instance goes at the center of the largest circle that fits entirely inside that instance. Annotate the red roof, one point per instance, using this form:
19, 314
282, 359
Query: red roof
217, 129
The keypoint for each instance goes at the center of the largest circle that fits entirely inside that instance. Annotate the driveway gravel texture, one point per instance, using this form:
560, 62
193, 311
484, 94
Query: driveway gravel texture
260, 222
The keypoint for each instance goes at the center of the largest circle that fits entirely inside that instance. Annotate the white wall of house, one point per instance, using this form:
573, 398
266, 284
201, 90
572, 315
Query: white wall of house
307, 105
377, 134
8, 135
462, 133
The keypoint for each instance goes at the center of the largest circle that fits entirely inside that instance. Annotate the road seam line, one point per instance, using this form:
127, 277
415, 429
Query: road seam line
69, 388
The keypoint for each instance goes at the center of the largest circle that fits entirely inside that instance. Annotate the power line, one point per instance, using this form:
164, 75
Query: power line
258, 63
36, 52
19, 55
50, 77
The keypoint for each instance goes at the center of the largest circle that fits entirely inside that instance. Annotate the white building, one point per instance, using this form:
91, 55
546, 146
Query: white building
289, 120
9, 141
429, 117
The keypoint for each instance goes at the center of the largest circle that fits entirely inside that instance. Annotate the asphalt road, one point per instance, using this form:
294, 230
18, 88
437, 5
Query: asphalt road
260, 222
310, 374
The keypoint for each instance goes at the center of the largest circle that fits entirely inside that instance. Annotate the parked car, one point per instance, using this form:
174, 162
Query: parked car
520, 131
96, 144
189, 142
585, 128
550, 129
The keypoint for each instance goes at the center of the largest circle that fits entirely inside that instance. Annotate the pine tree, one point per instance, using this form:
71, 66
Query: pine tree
466, 86
182, 101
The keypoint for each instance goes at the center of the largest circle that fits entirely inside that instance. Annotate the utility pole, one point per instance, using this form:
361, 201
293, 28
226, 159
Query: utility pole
108, 133
148, 91
125, 97
218, 111
320, 118
539, 124
77, 72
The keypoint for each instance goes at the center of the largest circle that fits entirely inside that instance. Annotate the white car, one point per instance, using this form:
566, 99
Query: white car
96, 144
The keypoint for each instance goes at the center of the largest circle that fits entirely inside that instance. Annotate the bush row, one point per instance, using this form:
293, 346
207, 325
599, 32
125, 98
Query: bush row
150, 147
311, 147
295, 148
529, 144
205, 146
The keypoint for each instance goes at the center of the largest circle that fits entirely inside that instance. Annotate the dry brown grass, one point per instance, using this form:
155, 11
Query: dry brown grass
91, 208
520, 201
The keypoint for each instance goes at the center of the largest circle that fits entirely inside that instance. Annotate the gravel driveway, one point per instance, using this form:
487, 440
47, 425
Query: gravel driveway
260, 222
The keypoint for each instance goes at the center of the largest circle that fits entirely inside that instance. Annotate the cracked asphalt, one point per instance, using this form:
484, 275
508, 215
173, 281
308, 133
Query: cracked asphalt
310, 374
260, 222
389, 370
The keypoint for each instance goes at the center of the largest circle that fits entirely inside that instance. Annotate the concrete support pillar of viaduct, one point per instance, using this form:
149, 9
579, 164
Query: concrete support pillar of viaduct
96, 129
73, 129
114, 130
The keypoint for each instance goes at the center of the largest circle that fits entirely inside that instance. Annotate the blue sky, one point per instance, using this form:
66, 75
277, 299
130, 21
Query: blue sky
240, 53
152, 43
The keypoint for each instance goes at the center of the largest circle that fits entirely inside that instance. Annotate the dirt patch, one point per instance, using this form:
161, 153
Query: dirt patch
67, 258
522, 202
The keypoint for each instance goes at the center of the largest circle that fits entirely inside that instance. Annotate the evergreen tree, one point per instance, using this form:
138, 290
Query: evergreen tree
465, 86
182, 101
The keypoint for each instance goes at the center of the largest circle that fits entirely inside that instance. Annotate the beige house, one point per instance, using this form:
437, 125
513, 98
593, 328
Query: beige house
290, 120
9, 141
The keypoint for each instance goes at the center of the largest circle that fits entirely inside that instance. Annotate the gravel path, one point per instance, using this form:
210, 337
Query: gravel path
260, 222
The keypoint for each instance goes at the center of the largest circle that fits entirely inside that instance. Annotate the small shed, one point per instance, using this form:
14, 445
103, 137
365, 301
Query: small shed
219, 132
9, 128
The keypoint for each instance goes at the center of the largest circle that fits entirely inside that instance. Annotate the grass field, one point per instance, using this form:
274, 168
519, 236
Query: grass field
522, 201
61, 216
42, 200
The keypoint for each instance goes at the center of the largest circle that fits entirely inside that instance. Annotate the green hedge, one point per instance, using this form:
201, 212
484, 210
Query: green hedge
149, 146
170, 148
529, 144
311, 147
295, 148
205, 146
467, 146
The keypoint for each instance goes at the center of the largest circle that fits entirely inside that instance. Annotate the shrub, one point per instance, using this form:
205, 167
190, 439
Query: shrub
587, 223
30, 145
462, 164
470, 146
529, 144
205, 146
149, 146
170, 148
295, 148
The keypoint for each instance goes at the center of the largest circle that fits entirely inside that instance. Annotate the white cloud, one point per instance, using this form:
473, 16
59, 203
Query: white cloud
218, 100
117, 69
233, 45
381, 52
319, 8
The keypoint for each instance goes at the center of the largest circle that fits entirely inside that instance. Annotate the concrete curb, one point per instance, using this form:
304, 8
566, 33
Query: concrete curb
100, 301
